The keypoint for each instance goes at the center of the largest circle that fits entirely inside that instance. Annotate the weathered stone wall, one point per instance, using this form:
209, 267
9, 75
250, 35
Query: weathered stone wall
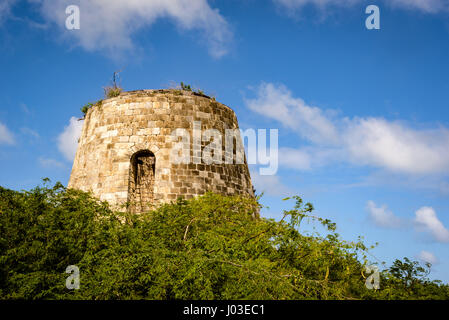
143, 121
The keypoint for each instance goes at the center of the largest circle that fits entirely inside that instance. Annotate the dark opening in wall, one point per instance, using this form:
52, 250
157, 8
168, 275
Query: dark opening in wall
141, 181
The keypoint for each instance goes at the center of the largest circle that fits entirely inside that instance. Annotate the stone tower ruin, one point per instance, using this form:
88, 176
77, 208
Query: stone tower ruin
123, 155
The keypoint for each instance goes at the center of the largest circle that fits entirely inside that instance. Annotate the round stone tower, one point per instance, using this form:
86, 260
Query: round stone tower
124, 152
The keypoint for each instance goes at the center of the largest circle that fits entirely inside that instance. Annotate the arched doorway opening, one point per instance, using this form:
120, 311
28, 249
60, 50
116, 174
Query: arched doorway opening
141, 181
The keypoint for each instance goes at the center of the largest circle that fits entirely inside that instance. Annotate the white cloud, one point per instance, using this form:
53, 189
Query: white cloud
397, 147
276, 102
30, 132
375, 142
270, 185
5, 9
427, 221
295, 158
299, 4
426, 256
110, 25
6, 137
307, 158
381, 216
50, 163
68, 139
428, 6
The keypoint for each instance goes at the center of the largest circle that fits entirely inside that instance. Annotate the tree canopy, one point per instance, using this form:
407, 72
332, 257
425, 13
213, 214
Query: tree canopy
210, 247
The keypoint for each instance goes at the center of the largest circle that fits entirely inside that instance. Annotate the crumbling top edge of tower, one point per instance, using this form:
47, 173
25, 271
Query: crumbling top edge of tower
149, 92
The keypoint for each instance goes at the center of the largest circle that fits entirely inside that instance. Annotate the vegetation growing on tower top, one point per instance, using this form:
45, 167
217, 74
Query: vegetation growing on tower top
89, 105
109, 92
187, 87
115, 89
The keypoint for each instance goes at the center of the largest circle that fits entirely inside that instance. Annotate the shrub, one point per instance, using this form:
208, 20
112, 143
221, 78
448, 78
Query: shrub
185, 87
89, 105
114, 90
111, 92
210, 247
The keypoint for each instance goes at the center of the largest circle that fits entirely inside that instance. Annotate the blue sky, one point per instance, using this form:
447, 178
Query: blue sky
363, 115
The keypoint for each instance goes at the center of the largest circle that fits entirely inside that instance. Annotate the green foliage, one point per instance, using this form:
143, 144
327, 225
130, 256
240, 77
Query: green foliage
409, 271
409, 279
185, 86
89, 105
111, 92
211, 247
115, 89
86, 108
